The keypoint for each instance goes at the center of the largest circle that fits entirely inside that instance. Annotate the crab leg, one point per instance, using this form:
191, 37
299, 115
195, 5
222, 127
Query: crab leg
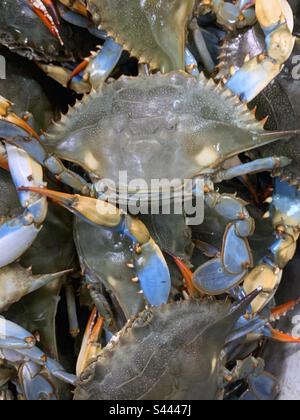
259, 165
14, 337
72, 312
17, 344
21, 137
40, 9
203, 51
17, 235
258, 72
223, 273
34, 385
149, 263
286, 221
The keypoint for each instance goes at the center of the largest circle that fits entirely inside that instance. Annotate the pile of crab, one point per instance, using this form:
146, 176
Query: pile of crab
110, 289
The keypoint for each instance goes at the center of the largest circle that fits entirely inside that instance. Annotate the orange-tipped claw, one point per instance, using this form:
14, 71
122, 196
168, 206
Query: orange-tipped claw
283, 338
39, 8
81, 67
91, 340
63, 199
96, 212
283, 309
187, 275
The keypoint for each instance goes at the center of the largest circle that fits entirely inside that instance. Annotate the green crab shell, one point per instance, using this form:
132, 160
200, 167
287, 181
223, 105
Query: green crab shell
171, 127
153, 31
168, 353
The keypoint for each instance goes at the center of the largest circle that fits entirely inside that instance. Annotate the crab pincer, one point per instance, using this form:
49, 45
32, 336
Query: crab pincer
276, 20
17, 234
149, 263
50, 19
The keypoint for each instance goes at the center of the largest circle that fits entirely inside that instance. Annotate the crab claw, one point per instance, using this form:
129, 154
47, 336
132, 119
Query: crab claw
91, 341
187, 275
11, 124
276, 20
283, 337
258, 326
35, 386
97, 68
52, 8
149, 263
18, 234
276, 313
50, 20
281, 310
96, 212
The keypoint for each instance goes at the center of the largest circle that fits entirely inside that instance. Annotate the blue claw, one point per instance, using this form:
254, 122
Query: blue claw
250, 80
153, 274
149, 263
34, 386
18, 234
236, 253
101, 66
258, 72
212, 279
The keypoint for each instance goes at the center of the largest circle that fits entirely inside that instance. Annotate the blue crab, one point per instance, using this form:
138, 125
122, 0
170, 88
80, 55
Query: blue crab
183, 363
95, 362
198, 114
